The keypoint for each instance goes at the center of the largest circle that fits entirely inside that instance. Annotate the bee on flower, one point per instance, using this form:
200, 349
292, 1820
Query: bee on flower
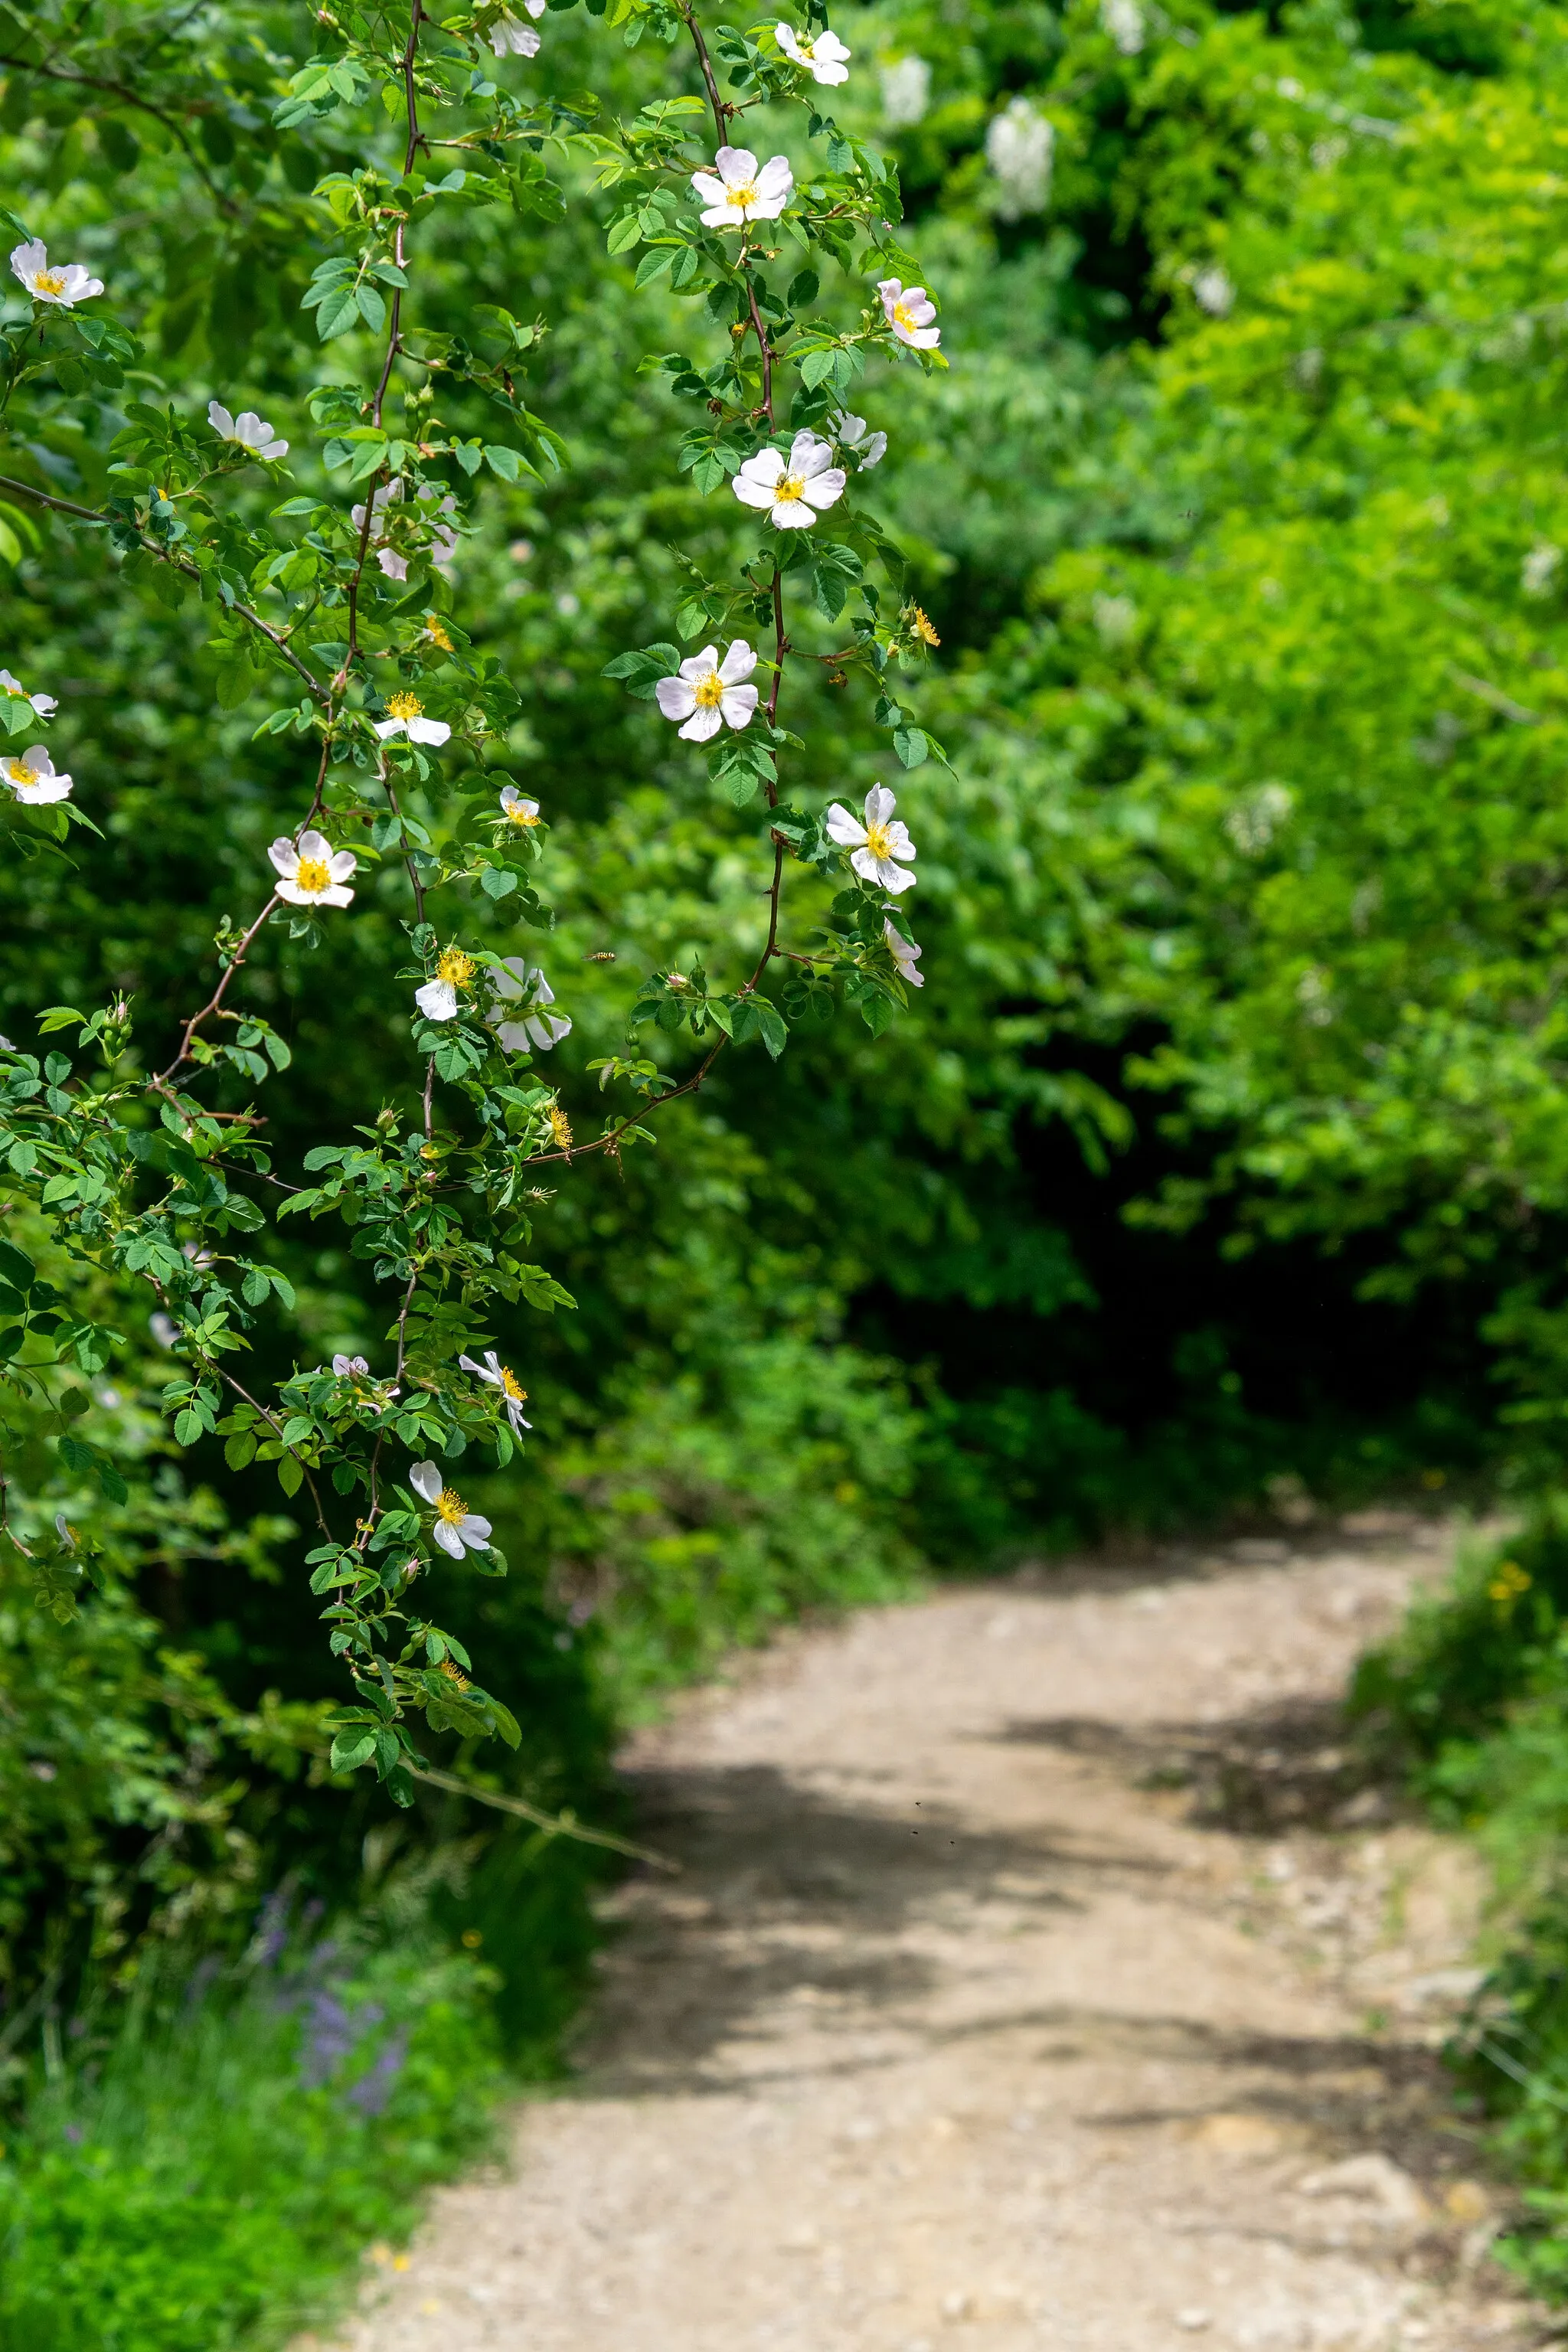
909, 310
706, 692
792, 491
739, 190
64, 285
825, 58
496, 1375
35, 779
311, 873
454, 970
458, 1530
879, 849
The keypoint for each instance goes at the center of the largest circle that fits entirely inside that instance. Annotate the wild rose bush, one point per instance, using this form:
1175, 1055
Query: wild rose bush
332, 596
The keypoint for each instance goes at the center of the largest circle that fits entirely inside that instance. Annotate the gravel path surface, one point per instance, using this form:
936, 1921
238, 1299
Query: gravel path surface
1036, 1977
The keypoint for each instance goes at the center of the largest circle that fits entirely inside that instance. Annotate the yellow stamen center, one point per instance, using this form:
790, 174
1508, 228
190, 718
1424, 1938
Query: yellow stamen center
709, 691
438, 635
15, 693
511, 1386
450, 1506
455, 968
314, 875
518, 813
901, 316
743, 196
403, 706
455, 1675
880, 840
790, 488
49, 281
923, 630
19, 773
560, 1128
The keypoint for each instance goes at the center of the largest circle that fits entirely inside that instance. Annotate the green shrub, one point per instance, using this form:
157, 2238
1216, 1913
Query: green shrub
208, 2180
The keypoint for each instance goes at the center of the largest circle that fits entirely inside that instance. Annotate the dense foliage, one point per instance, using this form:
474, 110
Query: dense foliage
1218, 1160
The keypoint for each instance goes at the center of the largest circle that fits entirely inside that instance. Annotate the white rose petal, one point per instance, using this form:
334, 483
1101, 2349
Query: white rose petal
497, 1376
34, 777
904, 953
738, 190
44, 704
706, 692
792, 491
457, 1530
64, 285
311, 873
909, 312
248, 429
825, 58
875, 845
521, 985
867, 449
509, 38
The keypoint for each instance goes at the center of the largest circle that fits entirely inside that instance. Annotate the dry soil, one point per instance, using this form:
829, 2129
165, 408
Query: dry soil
1037, 1976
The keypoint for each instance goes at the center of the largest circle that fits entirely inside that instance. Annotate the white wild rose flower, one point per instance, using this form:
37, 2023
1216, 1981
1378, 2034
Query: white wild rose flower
707, 691
66, 284
312, 873
824, 57
738, 191
517, 808
249, 429
522, 985
792, 491
904, 953
497, 1375
909, 312
876, 844
867, 449
443, 544
1123, 21
437, 1000
35, 779
406, 715
1537, 575
457, 1529
510, 38
44, 704
1019, 146
1212, 292
906, 92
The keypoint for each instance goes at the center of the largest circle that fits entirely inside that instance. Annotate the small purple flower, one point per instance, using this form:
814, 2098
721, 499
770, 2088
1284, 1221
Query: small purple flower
372, 2092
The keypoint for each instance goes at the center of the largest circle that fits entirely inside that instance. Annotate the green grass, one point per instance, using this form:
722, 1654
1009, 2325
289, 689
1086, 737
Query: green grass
209, 2178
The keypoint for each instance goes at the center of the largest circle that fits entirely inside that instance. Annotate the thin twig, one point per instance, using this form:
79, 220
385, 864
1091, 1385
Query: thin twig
558, 1824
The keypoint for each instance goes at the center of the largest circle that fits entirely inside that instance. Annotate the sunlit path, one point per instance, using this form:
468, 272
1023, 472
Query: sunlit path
1016, 1993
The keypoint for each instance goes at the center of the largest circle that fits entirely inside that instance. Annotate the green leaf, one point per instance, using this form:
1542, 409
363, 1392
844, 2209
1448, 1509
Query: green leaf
912, 745
339, 311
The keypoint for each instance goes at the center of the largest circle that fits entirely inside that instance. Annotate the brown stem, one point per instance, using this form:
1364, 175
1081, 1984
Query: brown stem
215, 999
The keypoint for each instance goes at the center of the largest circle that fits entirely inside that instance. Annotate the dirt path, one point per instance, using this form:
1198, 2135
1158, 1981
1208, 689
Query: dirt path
1008, 2000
